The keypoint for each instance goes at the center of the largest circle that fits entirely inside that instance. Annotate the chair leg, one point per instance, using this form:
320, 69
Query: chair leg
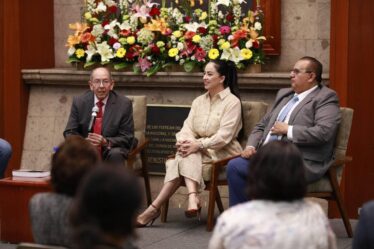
164, 211
211, 206
146, 178
219, 201
340, 202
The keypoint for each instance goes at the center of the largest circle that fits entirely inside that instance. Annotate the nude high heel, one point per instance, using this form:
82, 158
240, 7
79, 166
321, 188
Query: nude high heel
156, 214
191, 213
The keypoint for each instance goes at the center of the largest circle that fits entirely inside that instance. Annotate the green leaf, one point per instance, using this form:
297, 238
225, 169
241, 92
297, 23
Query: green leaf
168, 64
88, 64
153, 70
122, 65
189, 66
73, 59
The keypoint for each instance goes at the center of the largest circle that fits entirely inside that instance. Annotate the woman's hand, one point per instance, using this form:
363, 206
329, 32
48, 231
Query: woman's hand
187, 147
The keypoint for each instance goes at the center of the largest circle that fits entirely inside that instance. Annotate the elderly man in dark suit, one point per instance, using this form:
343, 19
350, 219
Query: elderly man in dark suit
113, 129
307, 114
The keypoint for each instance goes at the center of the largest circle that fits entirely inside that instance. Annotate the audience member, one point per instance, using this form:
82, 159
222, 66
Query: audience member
307, 114
209, 133
49, 212
5, 154
364, 234
113, 130
277, 217
103, 214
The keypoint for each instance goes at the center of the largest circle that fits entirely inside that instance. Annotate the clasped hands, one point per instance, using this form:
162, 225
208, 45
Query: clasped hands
96, 139
187, 147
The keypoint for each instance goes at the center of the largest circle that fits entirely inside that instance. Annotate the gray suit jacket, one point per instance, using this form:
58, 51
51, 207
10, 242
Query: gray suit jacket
118, 123
315, 121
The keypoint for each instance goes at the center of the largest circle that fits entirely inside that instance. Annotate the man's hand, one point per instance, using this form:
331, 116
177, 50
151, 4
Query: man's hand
279, 128
187, 147
248, 152
96, 139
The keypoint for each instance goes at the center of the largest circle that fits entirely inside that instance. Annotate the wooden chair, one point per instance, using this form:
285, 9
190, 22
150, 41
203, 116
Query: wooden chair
137, 158
328, 186
216, 175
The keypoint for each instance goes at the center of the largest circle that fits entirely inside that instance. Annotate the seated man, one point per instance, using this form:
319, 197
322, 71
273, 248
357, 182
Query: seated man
307, 114
5, 153
112, 131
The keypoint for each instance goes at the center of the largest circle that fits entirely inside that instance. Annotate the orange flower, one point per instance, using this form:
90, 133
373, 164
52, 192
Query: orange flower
78, 27
157, 25
73, 40
189, 35
253, 34
87, 37
239, 34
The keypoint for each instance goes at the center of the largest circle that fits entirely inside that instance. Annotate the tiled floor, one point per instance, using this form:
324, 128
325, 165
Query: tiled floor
182, 233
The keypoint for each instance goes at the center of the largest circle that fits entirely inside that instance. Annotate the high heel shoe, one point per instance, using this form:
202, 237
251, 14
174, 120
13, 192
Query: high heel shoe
191, 213
156, 213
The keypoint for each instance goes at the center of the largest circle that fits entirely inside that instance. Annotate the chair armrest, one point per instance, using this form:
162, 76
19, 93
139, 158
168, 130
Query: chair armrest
223, 162
138, 148
340, 161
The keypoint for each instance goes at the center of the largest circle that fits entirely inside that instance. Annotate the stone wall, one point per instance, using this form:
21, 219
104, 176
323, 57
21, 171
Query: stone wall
305, 30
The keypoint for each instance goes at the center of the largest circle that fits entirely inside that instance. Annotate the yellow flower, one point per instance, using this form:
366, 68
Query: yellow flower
196, 38
87, 15
130, 40
177, 33
121, 52
203, 16
160, 44
225, 45
79, 53
173, 52
246, 53
213, 53
73, 40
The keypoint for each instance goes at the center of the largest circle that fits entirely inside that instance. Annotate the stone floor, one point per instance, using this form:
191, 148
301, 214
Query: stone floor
182, 233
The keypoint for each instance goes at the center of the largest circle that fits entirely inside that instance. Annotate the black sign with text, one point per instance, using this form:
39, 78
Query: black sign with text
163, 121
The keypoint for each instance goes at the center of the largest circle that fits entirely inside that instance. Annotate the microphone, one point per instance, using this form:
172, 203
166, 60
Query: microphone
95, 110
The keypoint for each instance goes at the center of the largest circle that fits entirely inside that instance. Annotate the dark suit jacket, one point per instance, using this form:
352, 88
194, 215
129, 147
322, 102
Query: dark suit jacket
315, 121
364, 234
118, 123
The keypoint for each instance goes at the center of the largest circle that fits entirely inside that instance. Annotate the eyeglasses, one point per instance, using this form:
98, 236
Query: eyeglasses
98, 82
298, 71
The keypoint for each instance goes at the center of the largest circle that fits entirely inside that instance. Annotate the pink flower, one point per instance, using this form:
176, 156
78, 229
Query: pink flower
225, 30
144, 64
200, 54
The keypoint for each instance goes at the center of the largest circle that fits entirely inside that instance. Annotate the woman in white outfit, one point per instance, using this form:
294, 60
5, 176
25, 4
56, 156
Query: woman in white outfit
209, 133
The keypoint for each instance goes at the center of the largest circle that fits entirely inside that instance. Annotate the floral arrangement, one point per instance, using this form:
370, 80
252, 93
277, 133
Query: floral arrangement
150, 37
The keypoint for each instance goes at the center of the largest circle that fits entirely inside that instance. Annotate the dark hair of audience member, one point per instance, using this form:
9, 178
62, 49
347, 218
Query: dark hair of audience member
277, 173
228, 69
105, 207
72, 160
315, 66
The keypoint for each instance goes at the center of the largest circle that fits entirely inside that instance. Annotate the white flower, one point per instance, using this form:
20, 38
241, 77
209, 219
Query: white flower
90, 52
104, 50
194, 26
232, 54
223, 2
97, 30
258, 26
110, 3
238, 1
220, 15
125, 25
116, 45
101, 7
249, 44
180, 46
71, 51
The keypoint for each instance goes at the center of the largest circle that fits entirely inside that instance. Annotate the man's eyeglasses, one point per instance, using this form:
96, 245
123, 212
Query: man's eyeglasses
298, 71
98, 82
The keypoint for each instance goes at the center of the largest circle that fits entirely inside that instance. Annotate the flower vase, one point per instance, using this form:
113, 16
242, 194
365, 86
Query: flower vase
251, 68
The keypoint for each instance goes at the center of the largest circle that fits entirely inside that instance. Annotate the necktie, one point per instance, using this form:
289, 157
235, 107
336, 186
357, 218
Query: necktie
283, 114
98, 121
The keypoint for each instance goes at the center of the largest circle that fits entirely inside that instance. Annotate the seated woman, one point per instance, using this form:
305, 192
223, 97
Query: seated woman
278, 216
49, 212
209, 133
104, 211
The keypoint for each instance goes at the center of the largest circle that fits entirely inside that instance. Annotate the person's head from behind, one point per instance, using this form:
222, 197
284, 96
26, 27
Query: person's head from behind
277, 173
223, 73
70, 163
105, 207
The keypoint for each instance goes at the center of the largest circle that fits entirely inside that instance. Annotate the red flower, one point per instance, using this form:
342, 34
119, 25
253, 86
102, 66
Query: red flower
225, 30
200, 54
187, 19
189, 34
155, 49
190, 47
255, 44
112, 41
202, 30
229, 17
125, 32
104, 23
112, 9
154, 12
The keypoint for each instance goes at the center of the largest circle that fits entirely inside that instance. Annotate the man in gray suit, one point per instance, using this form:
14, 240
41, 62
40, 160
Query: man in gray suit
307, 114
112, 132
